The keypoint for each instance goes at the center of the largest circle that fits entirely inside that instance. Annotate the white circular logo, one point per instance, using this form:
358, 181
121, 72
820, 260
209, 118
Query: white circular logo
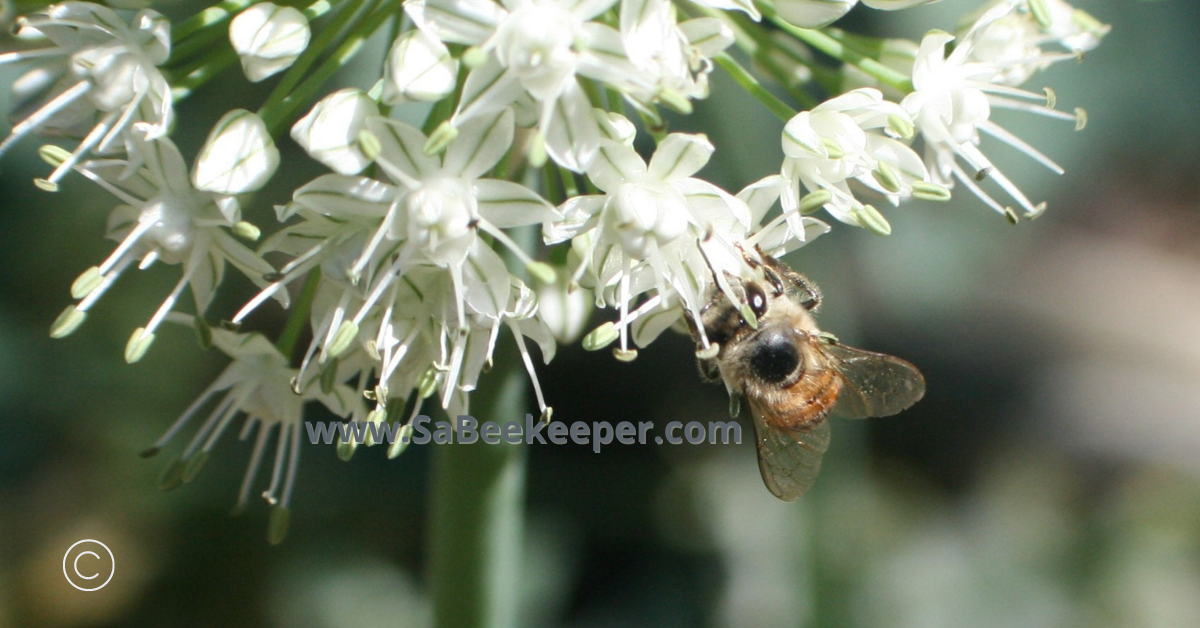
87, 566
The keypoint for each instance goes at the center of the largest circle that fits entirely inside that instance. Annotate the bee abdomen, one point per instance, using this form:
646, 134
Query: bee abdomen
807, 401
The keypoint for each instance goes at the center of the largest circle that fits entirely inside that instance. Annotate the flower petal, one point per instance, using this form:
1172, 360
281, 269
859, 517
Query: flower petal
343, 196
507, 204
402, 150
456, 21
489, 88
573, 134
480, 145
615, 164
680, 155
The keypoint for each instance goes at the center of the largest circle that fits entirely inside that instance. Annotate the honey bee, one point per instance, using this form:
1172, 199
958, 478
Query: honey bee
791, 373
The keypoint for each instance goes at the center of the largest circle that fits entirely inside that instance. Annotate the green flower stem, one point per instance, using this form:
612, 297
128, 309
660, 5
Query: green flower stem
821, 41
207, 18
200, 72
298, 314
343, 20
203, 42
754, 88
477, 514
757, 45
285, 110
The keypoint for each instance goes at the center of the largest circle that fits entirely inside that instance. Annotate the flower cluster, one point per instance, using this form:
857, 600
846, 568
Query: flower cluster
490, 187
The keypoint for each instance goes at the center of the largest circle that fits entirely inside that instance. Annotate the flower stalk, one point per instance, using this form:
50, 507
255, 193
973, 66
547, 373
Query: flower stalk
477, 514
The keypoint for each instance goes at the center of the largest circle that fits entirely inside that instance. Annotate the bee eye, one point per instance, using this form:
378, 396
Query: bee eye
775, 357
756, 299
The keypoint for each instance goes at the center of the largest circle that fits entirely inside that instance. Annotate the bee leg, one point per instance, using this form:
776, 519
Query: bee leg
709, 371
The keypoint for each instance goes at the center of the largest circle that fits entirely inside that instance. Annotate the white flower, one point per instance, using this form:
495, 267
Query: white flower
260, 385
952, 103
447, 205
106, 78
1029, 36
162, 218
238, 157
672, 57
420, 344
330, 131
647, 230
538, 48
419, 67
847, 139
268, 38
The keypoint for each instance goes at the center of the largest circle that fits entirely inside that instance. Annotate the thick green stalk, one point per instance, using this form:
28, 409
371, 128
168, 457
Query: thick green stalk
477, 514
298, 314
747, 81
821, 41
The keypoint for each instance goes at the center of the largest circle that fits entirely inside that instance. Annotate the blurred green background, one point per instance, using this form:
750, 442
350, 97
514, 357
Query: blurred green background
1048, 479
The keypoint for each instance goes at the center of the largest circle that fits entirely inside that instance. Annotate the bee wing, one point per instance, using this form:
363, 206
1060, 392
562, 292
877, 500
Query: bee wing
873, 384
789, 460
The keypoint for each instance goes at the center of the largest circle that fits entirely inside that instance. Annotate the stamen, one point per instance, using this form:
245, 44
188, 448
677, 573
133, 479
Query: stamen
255, 462
43, 115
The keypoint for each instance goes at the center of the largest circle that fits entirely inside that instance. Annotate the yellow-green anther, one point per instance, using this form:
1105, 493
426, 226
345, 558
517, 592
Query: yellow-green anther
473, 57
342, 339
369, 144
537, 150
345, 449
748, 315
45, 185
172, 475
86, 282
887, 178
813, 201
54, 155
901, 126
927, 191
1040, 13
247, 231
193, 466
440, 139
277, 526
547, 415
872, 220
139, 343
203, 331
1011, 215
1051, 97
67, 322
675, 100
403, 438
329, 377
428, 384
375, 417
542, 271
625, 355
601, 337
833, 149
1081, 118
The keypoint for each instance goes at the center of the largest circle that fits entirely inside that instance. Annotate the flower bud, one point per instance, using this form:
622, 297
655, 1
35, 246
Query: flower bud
268, 38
